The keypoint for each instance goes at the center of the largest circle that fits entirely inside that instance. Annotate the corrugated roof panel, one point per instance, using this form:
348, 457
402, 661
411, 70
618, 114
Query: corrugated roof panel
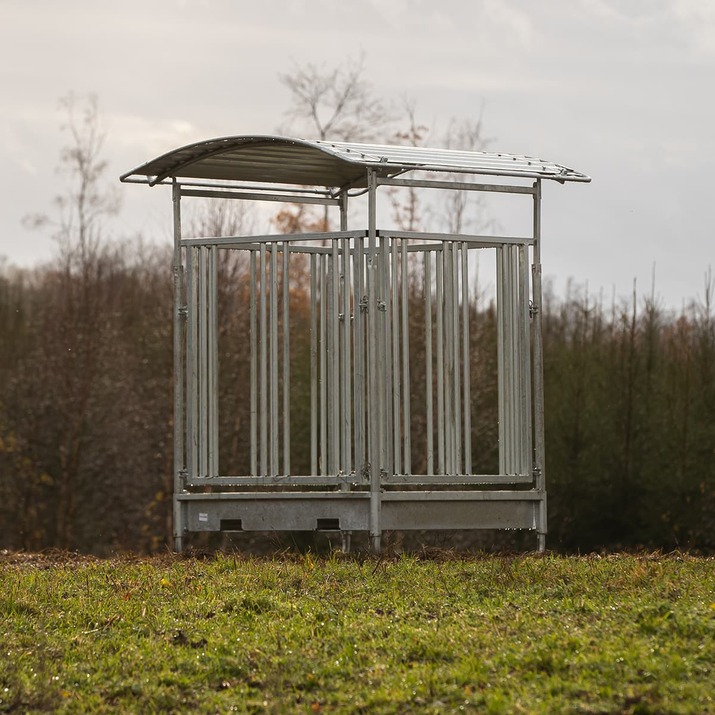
331, 164
453, 160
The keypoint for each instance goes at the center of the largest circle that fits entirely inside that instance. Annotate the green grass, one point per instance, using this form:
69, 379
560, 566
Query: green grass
619, 634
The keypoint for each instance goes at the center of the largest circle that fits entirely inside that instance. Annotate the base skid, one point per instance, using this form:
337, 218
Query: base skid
350, 511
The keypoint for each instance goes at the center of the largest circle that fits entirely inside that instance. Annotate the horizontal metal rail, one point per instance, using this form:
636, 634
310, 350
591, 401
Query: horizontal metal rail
458, 186
243, 241
354, 479
413, 496
288, 190
485, 240
258, 196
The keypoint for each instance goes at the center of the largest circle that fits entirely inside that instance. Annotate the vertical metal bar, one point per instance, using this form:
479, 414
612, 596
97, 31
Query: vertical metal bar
335, 358
516, 330
501, 358
466, 363
428, 359
457, 386
373, 386
382, 362
359, 362
323, 368
313, 364
449, 436
525, 360
329, 362
286, 357
539, 450
393, 344
441, 462
192, 367
508, 364
384, 366
178, 377
253, 346
203, 361
346, 419
346, 362
213, 426
514, 334
263, 377
406, 411
397, 377
513, 360
273, 371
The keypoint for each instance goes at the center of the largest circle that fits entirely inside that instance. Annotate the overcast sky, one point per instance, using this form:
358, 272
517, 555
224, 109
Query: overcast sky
623, 90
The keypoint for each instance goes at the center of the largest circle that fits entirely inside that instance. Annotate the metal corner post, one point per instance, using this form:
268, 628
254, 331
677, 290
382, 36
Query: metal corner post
346, 421
374, 452
539, 436
179, 507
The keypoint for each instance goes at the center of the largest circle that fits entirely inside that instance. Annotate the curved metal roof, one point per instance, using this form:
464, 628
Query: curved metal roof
282, 160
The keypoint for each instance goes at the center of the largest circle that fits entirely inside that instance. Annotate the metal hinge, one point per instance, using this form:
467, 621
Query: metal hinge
363, 304
533, 309
182, 311
381, 305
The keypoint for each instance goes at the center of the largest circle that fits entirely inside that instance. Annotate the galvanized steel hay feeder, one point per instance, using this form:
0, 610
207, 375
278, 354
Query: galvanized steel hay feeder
361, 476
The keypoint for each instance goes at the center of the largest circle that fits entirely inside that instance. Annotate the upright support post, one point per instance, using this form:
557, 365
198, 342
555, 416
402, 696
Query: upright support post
373, 386
539, 441
334, 358
346, 414
178, 507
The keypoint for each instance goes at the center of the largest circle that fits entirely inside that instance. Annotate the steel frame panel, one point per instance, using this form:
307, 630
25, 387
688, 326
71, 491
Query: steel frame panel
360, 386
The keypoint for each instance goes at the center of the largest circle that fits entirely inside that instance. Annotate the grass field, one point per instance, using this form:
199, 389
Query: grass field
302, 634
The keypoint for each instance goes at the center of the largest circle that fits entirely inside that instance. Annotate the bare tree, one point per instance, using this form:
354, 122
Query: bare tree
330, 103
408, 211
335, 103
87, 200
70, 363
464, 209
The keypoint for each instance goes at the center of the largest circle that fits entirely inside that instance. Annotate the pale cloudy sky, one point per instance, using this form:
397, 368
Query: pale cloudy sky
623, 90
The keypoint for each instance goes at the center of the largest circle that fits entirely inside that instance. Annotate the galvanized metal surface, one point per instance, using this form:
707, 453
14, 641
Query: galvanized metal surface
360, 373
282, 160
362, 285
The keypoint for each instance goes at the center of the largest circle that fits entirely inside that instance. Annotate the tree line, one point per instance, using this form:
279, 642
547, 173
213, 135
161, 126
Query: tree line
86, 408
86, 373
